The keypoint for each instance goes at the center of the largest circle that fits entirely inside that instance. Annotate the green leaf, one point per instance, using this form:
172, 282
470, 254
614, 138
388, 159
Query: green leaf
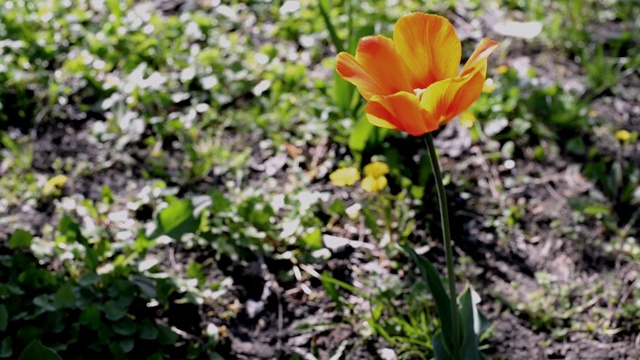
43, 301
65, 297
145, 284
473, 324
116, 10
331, 289
125, 327
176, 220
194, 271
20, 239
69, 232
442, 300
219, 202
113, 311
313, 238
440, 350
337, 207
335, 39
126, 345
576, 146
26, 334
342, 92
89, 278
91, 259
4, 317
6, 347
91, 317
148, 330
37, 351
106, 194
117, 351
166, 336
360, 135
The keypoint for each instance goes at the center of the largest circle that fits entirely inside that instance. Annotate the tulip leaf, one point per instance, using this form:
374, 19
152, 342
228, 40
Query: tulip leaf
439, 348
360, 135
335, 39
342, 92
440, 297
473, 324
359, 34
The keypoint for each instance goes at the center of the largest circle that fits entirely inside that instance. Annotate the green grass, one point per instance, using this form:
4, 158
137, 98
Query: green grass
224, 123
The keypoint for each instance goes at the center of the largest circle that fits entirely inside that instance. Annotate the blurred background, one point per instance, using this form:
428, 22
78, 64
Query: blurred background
165, 192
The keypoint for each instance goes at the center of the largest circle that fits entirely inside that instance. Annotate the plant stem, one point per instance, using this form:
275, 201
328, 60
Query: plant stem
446, 234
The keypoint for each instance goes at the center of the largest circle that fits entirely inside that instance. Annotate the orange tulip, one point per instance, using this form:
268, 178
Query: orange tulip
412, 83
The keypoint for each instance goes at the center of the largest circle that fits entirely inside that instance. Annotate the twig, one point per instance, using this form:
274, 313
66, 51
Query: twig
172, 259
494, 178
280, 322
623, 297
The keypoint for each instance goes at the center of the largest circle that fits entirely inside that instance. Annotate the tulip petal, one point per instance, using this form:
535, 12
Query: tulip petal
447, 98
401, 111
478, 60
377, 69
430, 47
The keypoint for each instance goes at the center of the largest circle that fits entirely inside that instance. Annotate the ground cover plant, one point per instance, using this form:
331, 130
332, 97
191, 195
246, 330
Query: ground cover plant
193, 179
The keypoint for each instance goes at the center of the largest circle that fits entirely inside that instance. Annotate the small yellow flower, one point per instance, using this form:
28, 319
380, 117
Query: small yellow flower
373, 183
376, 169
55, 182
345, 176
593, 113
467, 119
502, 69
489, 86
623, 135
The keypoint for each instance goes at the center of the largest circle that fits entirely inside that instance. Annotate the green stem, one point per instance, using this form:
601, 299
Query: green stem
446, 234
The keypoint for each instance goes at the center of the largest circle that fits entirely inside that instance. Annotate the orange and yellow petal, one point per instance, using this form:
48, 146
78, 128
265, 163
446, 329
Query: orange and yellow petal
376, 69
478, 60
429, 46
447, 98
402, 111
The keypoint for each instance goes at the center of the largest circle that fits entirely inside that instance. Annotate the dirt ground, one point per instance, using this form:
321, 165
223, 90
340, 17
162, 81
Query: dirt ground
549, 256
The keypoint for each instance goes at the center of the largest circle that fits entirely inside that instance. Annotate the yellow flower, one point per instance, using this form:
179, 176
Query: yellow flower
55, 182
489, 86
376, 169
467, 119
623, 135
502, 69
345, 177
374, 183
593, 113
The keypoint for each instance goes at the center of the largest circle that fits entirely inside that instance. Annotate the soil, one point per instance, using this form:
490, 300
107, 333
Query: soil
547, 238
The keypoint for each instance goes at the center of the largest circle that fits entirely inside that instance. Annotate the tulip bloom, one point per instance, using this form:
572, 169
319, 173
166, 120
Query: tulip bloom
412, 83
